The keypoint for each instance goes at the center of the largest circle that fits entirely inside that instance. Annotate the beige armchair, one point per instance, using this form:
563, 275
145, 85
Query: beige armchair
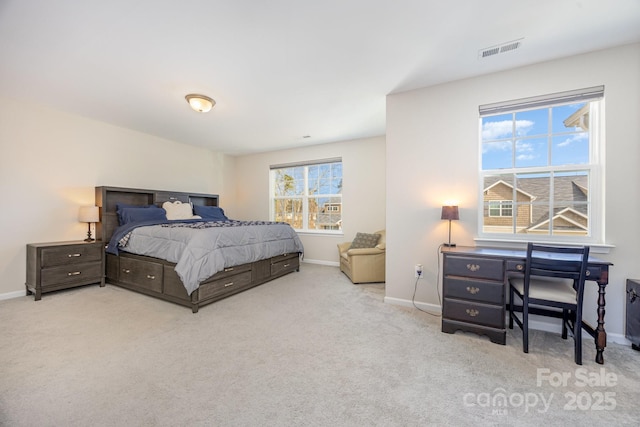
364, 265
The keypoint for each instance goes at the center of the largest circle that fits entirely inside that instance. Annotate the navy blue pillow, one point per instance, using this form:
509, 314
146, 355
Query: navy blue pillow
141, 214
210, 213
120, 206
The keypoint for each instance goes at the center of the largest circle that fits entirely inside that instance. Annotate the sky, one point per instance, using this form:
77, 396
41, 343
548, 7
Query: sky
533, 138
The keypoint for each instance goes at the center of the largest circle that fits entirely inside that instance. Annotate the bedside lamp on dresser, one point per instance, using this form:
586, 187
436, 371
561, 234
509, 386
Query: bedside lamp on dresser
88, 214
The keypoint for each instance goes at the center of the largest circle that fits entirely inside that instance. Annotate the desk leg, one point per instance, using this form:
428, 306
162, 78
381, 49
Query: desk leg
601, 334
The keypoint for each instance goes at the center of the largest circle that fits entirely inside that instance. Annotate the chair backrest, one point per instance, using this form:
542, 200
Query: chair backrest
560, 262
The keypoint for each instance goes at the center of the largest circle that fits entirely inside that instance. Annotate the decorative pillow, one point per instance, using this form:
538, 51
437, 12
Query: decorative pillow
141, 214
364, 240
121, 206
178, 210
210, 213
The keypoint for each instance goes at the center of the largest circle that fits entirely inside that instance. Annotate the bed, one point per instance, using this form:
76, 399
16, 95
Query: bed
158, 277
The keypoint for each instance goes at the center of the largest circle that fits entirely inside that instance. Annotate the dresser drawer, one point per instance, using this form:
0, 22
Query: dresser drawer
71, 254
87, 272
475, 313
228, 284
480, 268
474, 290
145, 274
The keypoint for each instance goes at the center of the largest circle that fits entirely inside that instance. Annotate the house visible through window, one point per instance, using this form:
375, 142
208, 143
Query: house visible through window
540, 168
308, 195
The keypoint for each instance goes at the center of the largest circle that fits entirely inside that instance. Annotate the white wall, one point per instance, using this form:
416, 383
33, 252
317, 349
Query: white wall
364, 196
432, 156
50, 163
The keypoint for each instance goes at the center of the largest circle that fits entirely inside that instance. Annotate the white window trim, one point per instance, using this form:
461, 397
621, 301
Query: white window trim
305, 197
596, 169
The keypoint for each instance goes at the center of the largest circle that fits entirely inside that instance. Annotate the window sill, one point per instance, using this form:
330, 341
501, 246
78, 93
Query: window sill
320, 233
596, 248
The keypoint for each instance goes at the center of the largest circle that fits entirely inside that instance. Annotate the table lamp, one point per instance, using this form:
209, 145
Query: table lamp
450, 213
89, 214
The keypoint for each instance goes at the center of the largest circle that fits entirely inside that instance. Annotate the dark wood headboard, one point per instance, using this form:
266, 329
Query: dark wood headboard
108, 197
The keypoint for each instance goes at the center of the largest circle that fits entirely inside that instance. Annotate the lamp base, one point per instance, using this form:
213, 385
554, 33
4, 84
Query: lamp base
449, 245
89, 238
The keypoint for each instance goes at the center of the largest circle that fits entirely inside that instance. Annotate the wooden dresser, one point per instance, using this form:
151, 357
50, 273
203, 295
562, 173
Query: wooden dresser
63, 265
474, 295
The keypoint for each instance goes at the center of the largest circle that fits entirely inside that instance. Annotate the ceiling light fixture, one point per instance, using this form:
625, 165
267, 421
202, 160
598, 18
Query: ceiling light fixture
200, 103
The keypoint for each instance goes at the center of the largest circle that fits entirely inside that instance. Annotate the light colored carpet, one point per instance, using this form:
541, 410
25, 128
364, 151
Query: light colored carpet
309, 349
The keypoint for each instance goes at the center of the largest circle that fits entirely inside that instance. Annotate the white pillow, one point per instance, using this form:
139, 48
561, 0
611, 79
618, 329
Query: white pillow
178, 210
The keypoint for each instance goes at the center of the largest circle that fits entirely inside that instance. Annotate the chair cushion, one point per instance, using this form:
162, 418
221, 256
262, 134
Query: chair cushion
364, 240
547, 288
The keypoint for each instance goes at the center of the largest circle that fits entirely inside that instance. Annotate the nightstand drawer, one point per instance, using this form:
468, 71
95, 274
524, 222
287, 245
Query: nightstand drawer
62, 265
75, 273
70, 254
475, 313
480, 268
138, 273
474, 290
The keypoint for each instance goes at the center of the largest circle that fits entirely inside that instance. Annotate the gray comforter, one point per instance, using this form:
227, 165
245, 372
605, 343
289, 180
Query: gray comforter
202, 249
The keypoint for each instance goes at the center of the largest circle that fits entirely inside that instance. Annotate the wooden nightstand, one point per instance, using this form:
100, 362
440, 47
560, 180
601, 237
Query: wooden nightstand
63, 265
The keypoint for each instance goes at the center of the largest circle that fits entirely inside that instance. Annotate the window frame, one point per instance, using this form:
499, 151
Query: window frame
595, 168
305, 197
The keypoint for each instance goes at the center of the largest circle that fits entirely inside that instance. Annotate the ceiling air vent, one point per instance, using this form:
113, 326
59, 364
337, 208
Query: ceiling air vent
502, 48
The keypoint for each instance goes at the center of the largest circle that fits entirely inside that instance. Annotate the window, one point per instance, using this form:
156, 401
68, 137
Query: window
308, 195
500, 208
540, 170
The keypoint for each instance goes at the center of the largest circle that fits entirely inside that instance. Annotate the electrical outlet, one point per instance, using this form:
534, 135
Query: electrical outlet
418, 271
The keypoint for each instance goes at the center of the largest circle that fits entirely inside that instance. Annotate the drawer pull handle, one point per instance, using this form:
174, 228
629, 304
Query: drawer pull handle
226, 285
74, 255
588, 273
473, 267
173, 198
73, 273
473, 290
519, 267
472, 312
228, 269
150, 277
124, 270
286, 265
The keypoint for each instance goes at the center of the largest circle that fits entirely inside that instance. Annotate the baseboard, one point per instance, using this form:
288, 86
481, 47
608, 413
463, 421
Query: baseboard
14, 294
536, 324
322, 262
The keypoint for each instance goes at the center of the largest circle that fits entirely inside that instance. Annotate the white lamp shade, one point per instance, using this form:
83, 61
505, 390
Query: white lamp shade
89, 214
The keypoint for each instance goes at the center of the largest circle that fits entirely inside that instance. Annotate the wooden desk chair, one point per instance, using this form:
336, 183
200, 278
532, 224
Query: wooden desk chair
545, 284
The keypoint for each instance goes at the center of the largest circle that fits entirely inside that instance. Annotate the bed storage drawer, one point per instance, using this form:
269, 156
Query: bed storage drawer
229, 284
284, 264
143, 274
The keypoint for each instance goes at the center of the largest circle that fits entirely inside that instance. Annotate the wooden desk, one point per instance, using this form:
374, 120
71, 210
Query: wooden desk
474, 288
